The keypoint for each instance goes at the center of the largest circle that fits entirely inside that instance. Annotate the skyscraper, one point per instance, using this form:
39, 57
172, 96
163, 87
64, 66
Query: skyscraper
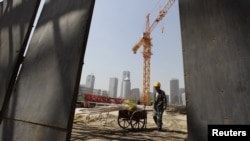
90, 81
135, 95
113, 85
126, 86
174, 91
126, 75
181, 91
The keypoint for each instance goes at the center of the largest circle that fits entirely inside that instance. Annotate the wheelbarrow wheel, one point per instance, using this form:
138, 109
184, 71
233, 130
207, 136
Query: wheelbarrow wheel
138, 120
123, 123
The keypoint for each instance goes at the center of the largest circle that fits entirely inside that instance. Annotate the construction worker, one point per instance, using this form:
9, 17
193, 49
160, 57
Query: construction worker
159, 105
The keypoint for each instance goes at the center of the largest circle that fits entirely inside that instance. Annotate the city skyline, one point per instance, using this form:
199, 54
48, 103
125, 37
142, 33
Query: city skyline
120, 83
176, 96
114, 32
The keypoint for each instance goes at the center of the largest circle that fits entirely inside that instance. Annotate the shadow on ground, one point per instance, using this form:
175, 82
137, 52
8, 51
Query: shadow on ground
82, 132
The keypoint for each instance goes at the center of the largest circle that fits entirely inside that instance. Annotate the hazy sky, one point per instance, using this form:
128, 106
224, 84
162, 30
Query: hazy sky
115, 28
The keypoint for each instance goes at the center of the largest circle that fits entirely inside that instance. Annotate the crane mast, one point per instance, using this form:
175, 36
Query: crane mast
145, 41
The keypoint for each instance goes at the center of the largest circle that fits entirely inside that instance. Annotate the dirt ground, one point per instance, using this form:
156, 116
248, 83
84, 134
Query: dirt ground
104, 127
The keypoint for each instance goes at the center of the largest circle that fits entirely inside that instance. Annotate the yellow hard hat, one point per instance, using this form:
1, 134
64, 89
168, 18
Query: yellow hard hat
157, 84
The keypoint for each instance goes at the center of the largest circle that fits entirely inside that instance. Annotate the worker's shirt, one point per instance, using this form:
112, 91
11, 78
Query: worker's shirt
160, 100
156, 95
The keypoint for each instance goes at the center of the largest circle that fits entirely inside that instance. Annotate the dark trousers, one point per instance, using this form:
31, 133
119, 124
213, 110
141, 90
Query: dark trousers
157, 115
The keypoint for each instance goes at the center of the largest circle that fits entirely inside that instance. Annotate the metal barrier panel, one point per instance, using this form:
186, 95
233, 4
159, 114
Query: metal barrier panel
15, 17
43, 103
216, 56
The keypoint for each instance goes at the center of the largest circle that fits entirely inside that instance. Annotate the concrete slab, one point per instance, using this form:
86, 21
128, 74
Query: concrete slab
47, 88
216, 53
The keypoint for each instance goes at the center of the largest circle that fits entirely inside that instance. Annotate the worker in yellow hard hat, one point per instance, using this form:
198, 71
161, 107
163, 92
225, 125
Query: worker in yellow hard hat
160, 104
157, 84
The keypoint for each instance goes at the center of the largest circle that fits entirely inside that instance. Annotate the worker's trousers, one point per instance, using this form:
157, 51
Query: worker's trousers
157, 115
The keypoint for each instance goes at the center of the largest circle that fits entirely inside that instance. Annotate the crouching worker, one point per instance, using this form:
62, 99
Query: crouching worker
159, 105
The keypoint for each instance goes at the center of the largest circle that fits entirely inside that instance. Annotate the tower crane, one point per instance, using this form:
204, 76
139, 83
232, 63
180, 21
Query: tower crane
145, 41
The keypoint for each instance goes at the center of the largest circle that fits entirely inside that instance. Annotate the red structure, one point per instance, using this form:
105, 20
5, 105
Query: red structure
102, 99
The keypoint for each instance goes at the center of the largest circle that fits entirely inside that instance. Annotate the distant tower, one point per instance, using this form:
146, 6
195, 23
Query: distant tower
135, 95
181, 91
126, 74
126, 88
174, 91
113, 84
90, 81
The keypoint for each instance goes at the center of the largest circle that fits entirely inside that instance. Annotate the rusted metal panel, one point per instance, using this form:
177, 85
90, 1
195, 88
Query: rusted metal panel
216, 56
46, 89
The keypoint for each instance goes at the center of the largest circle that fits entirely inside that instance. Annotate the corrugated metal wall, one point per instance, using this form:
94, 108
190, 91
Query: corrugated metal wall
41, 107
216, 53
